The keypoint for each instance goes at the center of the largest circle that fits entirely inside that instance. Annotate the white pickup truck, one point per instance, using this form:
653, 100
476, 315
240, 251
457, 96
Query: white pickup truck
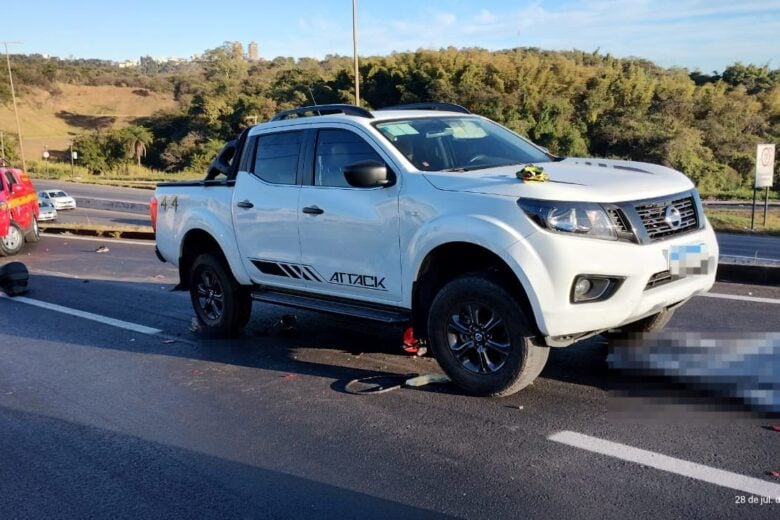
491, 248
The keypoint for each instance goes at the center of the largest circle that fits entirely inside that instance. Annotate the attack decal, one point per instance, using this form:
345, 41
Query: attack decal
366, 281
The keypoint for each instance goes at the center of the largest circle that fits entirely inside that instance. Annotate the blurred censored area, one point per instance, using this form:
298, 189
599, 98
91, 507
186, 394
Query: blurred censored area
742, 366
690, 259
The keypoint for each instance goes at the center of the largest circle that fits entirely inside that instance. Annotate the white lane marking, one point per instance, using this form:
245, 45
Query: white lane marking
685, 468
739, 297
100, 239
142, 329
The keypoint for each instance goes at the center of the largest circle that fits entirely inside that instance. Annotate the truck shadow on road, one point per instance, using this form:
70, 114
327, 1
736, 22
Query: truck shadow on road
334, 348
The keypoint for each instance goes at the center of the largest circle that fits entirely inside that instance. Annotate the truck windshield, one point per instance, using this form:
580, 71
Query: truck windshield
458, 143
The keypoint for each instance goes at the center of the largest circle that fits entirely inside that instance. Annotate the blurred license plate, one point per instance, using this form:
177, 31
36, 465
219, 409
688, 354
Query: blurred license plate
688, 260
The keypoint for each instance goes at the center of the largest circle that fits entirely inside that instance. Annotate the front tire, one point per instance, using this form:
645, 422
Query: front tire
654, 323
482, 337
222, 306
12, 242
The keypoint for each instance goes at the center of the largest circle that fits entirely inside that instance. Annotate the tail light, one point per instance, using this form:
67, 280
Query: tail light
153, 212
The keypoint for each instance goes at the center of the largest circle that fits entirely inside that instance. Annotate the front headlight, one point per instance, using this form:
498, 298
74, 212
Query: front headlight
579, 218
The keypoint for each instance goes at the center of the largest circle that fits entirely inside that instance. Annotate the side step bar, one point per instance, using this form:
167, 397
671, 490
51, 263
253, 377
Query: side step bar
389, 315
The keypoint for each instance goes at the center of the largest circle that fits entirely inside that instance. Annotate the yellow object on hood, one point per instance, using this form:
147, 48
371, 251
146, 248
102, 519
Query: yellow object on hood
532, 173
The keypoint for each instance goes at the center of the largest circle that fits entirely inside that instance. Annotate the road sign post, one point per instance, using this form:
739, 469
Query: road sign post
72, 156
765, 170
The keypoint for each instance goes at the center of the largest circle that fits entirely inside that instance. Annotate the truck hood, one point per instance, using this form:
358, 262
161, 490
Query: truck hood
572, 179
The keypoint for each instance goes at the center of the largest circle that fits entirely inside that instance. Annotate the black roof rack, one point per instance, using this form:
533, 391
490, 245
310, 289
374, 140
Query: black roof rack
447, 107
322, 110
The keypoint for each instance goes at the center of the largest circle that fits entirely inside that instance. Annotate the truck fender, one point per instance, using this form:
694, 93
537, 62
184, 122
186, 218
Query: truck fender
222, 233
492, 234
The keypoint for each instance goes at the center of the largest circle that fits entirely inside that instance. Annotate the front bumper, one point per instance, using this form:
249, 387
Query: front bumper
43, 217
548, 263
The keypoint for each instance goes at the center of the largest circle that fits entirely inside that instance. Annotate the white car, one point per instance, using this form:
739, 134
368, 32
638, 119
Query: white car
491, 248
57, 198
46, 211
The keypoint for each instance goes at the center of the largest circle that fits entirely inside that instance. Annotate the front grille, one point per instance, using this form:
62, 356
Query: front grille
659, 279
654, 219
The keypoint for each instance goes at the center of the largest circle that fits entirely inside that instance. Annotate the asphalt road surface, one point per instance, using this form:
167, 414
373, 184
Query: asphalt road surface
143, 418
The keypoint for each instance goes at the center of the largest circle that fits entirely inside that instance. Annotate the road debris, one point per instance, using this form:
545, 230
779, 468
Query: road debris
427, 379
287, 322
194, 325
374, 385
412, 345
14, 278
102, 249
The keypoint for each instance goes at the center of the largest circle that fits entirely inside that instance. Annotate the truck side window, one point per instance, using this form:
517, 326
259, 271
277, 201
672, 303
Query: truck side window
276, 159
335, 150
11, 180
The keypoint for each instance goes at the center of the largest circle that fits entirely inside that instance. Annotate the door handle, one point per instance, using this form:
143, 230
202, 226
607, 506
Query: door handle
313, 210
245, 204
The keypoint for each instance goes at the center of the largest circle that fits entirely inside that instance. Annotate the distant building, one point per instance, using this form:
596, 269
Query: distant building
128, 64
252, 52
238, 49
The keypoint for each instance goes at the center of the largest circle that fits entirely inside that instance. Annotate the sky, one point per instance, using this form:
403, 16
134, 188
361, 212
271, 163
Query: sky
706, 35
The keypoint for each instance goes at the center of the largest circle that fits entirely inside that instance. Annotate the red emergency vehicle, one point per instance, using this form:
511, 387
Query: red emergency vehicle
18, 211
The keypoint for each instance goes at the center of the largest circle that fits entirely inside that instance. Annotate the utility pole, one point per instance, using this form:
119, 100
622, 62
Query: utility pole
2, 145
13, 97
355, 52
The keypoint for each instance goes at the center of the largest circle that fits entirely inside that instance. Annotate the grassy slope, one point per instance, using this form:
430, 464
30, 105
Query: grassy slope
51, 120
738, 220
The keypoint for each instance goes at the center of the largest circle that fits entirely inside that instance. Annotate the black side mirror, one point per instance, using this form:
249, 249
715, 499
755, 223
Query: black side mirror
367, 174
221, 163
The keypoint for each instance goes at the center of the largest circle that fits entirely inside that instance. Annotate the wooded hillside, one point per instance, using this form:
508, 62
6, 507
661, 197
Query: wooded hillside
575, 103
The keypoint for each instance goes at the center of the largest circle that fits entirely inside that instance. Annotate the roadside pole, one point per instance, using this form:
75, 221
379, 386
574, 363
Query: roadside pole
16, 110
766, 204
71, 160
753, 213
765, 170
355, 52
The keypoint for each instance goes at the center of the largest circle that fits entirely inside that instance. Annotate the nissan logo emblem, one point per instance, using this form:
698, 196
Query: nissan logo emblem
673, 217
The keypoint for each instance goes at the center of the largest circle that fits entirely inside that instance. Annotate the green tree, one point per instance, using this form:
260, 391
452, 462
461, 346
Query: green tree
137, 139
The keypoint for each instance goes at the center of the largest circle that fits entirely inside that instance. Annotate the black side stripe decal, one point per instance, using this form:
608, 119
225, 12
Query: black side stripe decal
313, 273
296, 272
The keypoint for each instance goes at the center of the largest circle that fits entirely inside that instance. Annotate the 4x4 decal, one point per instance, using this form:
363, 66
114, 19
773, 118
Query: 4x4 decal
307, 272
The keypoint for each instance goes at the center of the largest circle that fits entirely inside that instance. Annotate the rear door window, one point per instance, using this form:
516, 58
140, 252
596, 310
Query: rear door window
277, 157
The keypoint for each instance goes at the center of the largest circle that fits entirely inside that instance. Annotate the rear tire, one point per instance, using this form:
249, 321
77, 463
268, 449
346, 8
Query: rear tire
13, 242
482, 337
222, 305
34, 235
